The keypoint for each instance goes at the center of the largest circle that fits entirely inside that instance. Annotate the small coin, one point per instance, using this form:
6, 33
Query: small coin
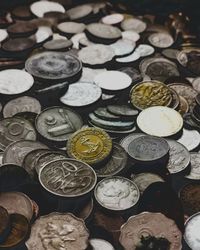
43, 34
58, 45
67, 178
134, 24
122, 47
68, 231
21, 104
113, 19
22, 29
90, 145
116, 193
122, 110
196, 84
183, 106
128, 59
179, 157
81, 94
190, 139
3, 35
195, 168
144, 50
100, 244
128, 139
103, 113
160, 121
18, 45
149, 94
57, 124
79, 12
71, 27
161, 40
115, 165
170, 53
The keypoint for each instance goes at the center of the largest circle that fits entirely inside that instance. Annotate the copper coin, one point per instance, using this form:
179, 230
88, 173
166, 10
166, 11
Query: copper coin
18, 45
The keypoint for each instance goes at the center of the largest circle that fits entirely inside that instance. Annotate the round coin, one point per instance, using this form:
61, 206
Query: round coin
128, 139
98, 244
131, 35
67, 178
116, 193
58, 45
79, 12
134, 24
122, 110
18, 45
133, 73
161, 40
196, 84
195, 168
90, 145
71, 28
22, 29
190, 139
144, 50
113, 19
122, 47
103, 113
160, 121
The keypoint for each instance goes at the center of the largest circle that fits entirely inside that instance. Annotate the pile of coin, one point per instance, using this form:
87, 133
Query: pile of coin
99, 129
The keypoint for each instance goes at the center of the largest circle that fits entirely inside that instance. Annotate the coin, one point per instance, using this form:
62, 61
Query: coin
90, 145
79, 12
175, 100
16, 202
179, 157
160, 121
115, 165
128, 139
21, 104
149, 224
16, 151
68, 232
189, 196
18, 45
57, 124
196, 84
128, 59
134, 24
144, 50
116, 193
71, 28
113, 80
102, 113
3, 35
170, 53
190, 139
131, 35
183, 106
21, 28
122, 110
191, 235
15, 129
4, 224
195, 169
58, 45
81, 94
161, 40
21, 13
150, 93
113, 19
122, 47
133, 73
43, 34
98, 244
53, 66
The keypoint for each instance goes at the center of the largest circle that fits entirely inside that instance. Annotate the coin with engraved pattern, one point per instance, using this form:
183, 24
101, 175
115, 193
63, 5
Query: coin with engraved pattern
90, 145
58, 231
67, 178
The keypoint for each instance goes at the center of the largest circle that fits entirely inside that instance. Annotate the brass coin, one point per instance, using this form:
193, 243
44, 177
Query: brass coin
90, 145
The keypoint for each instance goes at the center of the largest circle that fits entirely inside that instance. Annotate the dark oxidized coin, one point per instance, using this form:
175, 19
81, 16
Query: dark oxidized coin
170, 53
115, 165
56, 124
4, 224
16, 151
148, 149
122, 110
22, 29
102, 113
58, 45
21, 13
54, 66
18, 45
175, 100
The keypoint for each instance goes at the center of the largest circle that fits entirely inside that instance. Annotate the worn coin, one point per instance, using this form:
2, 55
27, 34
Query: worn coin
58, 45
113, 19
128, 139
195, 168
122, 110
89, 74
43, 34
98, 244
21, 29
196, 84
57, 124
134, 24
71, 28
104, 114
144, 50
190, 139
3, 35
79, 12
183, 106
131, 35
18, 45
67, 178
161, 40
122, 47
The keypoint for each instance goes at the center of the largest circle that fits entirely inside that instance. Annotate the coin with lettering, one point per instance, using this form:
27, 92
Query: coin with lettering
14, 129
160, 121
161, 40
150, 93
195, 168
190, 139
90, 145
67, 178
16, 151
116, 193
98, 244
57, 124
149, 224
21, 104
116, 164
179, 157
134, 24
66, 231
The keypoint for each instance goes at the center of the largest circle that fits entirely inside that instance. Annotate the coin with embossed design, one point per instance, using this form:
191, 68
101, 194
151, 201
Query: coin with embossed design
91, 145
161, 40
128, 139
67, 178
58, 231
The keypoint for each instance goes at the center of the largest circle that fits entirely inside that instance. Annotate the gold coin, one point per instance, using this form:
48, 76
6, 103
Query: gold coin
90, 145
150, 93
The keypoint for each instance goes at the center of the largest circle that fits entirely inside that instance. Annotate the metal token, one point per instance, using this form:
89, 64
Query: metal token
79, 12
71, 28
81, 94
190, 139
21, 13
196, 84
144, 50
122, 47
179, 157
90, 145
57, 124
116, 193
160, 121
98, 244
122, 110
128, 139
18, 45
113, 19
21, 104
134, 24
67, 178
115, 165
57, 66
16, 152
58, 45
103, 113
195, 168
161, 40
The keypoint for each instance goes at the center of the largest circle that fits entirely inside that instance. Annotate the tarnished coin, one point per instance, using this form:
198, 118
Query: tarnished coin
71, 28
16, 202
183, 106
57, 66
21, 12
4, 224
15, 129
196, 84
149, 94
79, 11
113, 19
98, 244
179, 157
16, 151
90, 145
116, 193
191, 235
67, 178
190, 139
195, 167
15, 81
144, 180
128, 139
104, 114
58, 45
149, 224
144, 50
160, 121
115, 165
20, 29
185, 91
58, 123
21, 104
18, 45
189, 196
134, 24
122, 47
81, 94
122, 110
170, 53
175, 103
161, 40
66, 231
98, 54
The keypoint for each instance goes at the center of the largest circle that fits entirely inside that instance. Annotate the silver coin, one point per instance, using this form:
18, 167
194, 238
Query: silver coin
103, 113
196, 84
190, 139
71, 27
134, 24
113, 19
122, 110
179, 157
79, 11
122, 47
161, 40
195, 167
144, 50
128, 139
127, 59
98, 244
